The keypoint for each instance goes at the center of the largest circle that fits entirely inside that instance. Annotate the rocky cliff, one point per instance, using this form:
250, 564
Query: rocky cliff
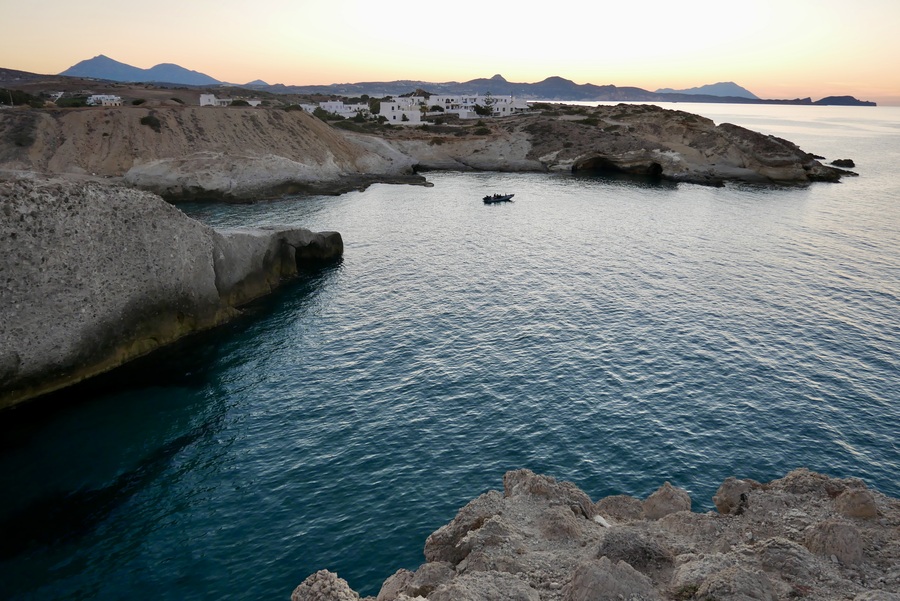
183, 152
92, 276
805, 536
625, 138
186, 152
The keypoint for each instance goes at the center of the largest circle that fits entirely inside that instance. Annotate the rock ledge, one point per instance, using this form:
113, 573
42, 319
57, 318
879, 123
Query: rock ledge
92, 276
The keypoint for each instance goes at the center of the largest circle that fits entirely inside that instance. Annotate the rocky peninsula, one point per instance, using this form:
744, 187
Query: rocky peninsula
95, 275
804, 536
242, 154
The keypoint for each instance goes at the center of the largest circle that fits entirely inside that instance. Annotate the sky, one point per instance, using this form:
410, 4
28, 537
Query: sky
774, 48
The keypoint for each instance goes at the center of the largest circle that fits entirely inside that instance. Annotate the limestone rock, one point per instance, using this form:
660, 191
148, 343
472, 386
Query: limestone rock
444, 544
732, 496
668, 499
559, 523
695, 570
837, 538
602, 580
634, 548
478, 586
779, 554
621, 508
324, 586
857, 503
526, 482
791, 541
247, 153
429, 577
241, 153
738, 584
106, 274
395, 585
877, 596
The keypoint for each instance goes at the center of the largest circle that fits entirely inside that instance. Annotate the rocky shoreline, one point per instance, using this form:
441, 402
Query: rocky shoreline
241, 154
94, 275
804, 536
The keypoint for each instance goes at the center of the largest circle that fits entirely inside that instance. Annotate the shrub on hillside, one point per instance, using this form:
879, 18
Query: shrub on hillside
152, 122
138, 101
71, 102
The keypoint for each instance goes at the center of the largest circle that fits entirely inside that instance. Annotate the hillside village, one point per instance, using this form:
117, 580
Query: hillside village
409, 109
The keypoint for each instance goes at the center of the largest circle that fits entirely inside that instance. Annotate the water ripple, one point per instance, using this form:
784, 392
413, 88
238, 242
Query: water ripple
614, 335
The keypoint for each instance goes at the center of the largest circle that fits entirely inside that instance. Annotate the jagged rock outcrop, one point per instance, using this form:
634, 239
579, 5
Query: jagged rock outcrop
803, 536
92, 276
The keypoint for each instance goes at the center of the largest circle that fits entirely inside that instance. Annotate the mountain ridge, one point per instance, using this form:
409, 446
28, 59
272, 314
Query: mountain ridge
553, 88
722, 88
104, 67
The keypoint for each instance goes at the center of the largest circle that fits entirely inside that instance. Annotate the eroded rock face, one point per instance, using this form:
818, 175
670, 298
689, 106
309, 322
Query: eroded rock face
324, 586
535, 541
640, 140
666, 500
94, 276
244, 153
201, 153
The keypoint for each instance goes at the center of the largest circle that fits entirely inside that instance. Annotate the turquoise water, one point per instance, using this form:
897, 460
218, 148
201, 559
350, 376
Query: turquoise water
612, 333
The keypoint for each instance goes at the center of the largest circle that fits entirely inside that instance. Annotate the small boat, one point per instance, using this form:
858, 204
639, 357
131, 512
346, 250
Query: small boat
492, 198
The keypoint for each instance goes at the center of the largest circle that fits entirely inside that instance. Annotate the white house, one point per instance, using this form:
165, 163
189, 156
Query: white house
464, 105
395, 110
104, 100
211, 100
344, 110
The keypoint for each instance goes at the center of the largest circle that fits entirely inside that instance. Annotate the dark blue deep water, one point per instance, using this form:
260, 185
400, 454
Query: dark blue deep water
614, 333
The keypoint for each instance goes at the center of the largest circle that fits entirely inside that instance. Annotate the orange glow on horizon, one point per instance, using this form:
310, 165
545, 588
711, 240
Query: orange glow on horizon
685, 44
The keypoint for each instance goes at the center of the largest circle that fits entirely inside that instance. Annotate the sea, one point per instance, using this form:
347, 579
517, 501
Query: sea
616, 333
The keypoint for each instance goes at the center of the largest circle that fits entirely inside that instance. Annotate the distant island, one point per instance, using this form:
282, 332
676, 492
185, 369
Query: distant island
552, 88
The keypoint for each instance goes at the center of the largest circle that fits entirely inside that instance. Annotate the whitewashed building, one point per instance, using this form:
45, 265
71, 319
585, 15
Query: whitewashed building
464, 104
395, 110
104, 100
344, 110
211, 100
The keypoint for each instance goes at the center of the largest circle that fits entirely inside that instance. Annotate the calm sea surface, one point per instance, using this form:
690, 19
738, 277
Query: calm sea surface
614, 333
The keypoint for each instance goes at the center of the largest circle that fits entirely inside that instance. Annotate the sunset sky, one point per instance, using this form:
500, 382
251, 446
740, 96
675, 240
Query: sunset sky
775, 48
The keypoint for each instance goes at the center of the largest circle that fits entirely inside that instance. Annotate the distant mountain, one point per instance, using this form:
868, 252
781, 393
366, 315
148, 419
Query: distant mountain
103, 67
843, 101
551, 89
723, 88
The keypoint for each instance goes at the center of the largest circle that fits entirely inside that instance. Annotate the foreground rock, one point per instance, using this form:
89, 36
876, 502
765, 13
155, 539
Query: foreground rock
92, 276
803, 536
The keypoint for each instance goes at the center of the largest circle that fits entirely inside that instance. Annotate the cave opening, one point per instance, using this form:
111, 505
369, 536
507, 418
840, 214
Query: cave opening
603, 166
